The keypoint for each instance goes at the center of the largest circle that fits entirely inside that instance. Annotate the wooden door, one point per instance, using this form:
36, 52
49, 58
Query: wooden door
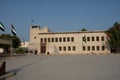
43, 47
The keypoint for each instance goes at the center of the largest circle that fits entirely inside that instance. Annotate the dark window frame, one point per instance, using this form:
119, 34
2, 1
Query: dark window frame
102, 38
97, 38
88, 48
93, 38
74, 48
68, 39
97, 48
41, 40
52, 39
64, 48
56, 39
48, 39
72, 39
103, 48
64, 39
45, 40
93, 48
84, 48
60, 39
88, 38
60, 48
69, 48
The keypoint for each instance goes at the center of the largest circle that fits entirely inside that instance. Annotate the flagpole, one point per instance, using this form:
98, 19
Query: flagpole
11, 46
32, 22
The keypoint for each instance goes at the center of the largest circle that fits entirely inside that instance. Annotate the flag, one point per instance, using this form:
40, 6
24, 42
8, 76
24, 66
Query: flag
2, 27
13, 30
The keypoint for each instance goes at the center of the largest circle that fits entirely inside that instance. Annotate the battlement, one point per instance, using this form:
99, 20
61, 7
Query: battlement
39, 29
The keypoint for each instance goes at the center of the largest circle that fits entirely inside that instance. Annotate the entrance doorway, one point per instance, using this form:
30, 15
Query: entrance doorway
43, 48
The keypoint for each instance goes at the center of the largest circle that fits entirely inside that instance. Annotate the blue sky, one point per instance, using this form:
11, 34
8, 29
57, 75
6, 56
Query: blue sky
58, 15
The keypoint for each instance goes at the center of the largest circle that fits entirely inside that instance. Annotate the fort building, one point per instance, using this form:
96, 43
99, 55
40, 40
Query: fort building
80, 42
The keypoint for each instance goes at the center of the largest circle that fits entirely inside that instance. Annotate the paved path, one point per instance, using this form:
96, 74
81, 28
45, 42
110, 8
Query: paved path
65, 67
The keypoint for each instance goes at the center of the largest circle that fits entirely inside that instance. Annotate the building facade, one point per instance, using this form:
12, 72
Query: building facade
83, 42
24, 44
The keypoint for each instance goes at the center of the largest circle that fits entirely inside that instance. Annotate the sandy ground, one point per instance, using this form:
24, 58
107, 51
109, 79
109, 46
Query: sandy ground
64, 67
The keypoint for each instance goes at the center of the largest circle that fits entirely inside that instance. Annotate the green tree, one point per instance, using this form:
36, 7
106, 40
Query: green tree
15, 40
83, 29
114, 37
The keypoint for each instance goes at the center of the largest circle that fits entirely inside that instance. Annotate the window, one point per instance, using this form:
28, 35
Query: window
93, 48
56, 39
93, 39
88, 48
69, 48
64, 48
45, 39
103, 48
48, 39
60, 48
102, 38
84, 48
98, 48
41, 40
88, 38
74, 48
34, 37
97, 38
68, 39
84, 38
60, 39
64, 39
52, 39
72, 39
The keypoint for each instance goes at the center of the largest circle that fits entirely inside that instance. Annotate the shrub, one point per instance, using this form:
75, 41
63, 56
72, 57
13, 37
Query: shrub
20, 51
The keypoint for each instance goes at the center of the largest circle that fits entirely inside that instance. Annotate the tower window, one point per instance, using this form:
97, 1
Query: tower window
34, 37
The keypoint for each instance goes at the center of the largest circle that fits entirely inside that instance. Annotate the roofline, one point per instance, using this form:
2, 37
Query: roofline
96, 31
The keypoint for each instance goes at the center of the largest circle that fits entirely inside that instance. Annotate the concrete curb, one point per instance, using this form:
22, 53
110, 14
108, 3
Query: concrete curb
7, 75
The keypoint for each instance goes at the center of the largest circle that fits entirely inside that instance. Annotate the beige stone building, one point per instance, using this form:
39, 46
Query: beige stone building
82, 42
